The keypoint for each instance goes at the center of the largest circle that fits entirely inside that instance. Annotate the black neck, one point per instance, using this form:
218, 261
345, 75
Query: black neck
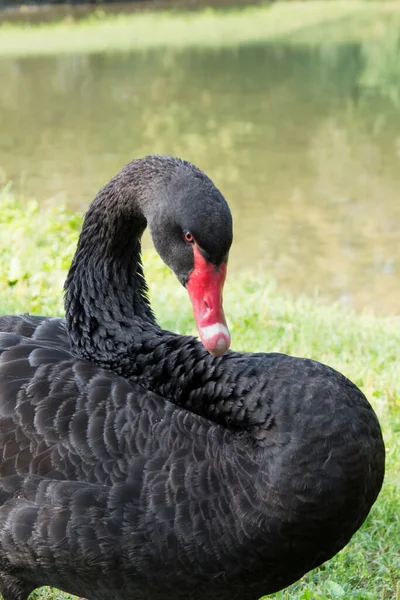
106, 296
110, 322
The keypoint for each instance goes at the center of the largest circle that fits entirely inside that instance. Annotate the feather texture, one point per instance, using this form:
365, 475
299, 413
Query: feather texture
154, 471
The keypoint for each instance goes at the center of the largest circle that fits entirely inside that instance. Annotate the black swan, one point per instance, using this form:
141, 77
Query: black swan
135, 465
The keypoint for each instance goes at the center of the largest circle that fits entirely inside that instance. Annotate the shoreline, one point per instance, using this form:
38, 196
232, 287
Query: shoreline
307, 22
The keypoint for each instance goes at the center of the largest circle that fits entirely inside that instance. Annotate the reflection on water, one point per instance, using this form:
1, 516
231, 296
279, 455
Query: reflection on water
303, 149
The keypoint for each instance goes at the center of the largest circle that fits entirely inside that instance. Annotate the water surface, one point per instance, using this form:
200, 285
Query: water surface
306, 153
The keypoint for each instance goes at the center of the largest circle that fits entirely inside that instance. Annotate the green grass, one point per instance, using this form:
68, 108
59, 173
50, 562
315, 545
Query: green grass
35, 251
313, 21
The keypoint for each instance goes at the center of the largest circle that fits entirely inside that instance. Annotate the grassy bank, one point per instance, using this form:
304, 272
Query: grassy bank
36, 248
314, 21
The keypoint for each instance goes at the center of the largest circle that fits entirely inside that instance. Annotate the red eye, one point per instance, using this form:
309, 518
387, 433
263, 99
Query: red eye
188, 237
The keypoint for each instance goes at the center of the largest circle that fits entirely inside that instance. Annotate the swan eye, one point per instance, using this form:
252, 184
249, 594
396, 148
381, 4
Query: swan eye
188, 237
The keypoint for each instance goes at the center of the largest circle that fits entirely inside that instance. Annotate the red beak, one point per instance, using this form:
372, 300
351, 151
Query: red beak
204, 286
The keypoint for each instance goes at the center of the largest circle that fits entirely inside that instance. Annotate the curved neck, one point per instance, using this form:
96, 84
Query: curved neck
106, 296
108, 314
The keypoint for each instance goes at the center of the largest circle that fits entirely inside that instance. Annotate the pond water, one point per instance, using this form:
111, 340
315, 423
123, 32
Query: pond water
304, 143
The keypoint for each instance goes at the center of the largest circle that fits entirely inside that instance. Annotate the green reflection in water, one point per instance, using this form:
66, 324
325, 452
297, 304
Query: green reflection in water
299, 140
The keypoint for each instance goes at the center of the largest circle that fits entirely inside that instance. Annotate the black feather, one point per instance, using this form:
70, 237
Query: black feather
134, 465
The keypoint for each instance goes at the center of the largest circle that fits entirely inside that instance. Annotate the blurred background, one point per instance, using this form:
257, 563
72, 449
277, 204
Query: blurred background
293, 109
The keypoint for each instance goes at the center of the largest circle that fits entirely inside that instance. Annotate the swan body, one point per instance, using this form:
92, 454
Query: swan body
134, 464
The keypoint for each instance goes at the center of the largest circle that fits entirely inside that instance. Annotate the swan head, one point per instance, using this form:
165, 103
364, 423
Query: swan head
191, 227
